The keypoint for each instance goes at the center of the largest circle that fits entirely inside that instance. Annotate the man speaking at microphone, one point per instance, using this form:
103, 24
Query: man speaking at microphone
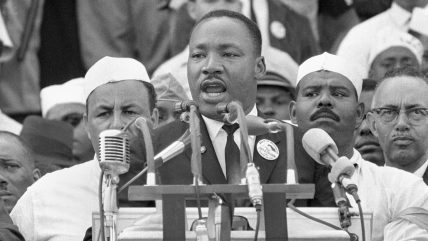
60, 206
328, 88
224, 62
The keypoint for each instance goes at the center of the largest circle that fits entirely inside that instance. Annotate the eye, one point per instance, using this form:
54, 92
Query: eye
230, 54
130, 112
311, 93
103, 114
196, 56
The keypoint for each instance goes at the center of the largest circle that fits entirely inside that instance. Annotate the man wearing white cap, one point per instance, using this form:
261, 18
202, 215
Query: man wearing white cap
356, 44
66, 102
328, 88
393, 49
60, 206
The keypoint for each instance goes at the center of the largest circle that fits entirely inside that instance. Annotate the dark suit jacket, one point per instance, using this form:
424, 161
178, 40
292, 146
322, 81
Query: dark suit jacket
177, 170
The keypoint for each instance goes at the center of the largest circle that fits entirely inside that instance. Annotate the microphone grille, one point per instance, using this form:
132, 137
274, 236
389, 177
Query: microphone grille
114, 151
315, 141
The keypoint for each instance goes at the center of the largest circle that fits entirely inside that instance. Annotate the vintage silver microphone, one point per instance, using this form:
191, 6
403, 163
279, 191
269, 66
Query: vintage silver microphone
114, 155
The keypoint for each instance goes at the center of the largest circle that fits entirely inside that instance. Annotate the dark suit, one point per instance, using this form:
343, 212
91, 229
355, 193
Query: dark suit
177, 170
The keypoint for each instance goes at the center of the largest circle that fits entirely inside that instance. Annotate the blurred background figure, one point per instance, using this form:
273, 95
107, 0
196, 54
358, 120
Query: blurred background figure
20, 22
17, 168
168, 93
134, 29
66, 103
9, 124
365, 142
51, 141
393, 49
419, 29
276, 89
357, 43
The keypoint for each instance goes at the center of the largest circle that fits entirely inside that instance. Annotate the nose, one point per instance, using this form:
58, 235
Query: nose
325, 100
402, 122
3, 182
117, 121
212, 66
267, 110
364, 129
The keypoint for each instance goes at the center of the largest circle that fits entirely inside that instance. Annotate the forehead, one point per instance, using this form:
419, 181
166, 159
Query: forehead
268, 90
395, 52
223, 31
11, 148
61, 110
403, 90
120, 93
325, 79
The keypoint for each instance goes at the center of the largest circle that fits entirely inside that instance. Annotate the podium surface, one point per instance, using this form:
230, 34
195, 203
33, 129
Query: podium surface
299, 227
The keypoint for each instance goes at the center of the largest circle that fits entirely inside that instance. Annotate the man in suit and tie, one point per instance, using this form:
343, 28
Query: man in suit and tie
224, 62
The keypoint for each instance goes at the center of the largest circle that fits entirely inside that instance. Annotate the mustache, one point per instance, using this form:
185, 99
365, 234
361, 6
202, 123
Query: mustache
324, 112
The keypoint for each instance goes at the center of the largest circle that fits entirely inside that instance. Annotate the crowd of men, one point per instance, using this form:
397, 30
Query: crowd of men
370, 97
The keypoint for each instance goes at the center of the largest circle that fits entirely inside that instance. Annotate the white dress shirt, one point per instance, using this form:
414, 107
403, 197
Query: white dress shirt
387, 191
357, 43
218, 138
421, 170
59, 206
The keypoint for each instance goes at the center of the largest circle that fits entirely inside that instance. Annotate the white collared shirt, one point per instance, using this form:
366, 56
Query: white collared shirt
357, 43
387, 191
59, 206
218, 138
421, 170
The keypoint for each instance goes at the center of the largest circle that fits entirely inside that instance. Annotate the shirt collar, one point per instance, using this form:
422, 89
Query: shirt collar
214, 126
399, 14
356, 158
421, 170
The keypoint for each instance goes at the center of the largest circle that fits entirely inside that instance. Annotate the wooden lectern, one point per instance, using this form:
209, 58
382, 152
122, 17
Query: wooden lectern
174, 196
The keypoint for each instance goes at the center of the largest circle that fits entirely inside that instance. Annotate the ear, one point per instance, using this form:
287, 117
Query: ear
155, 117
371, 119
292, 109
85, 121
191, 9
260, 67
36, 174
360, 115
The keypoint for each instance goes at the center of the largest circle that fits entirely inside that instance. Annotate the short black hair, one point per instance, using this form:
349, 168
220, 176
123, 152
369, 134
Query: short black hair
152, 96
369, 85
251, 26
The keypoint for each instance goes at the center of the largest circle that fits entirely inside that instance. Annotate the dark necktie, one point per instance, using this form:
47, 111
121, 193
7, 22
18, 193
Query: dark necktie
231, 154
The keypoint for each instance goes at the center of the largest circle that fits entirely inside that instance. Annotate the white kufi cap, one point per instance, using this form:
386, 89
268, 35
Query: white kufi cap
110, 69
69, 92
333, 63
391, 37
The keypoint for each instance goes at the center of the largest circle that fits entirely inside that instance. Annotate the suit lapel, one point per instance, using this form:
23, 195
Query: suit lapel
211, 169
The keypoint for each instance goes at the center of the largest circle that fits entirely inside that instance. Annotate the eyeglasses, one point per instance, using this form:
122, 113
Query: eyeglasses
415, 116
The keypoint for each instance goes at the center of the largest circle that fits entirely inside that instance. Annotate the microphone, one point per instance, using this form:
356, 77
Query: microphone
173, 149
183, 106
321, 147
258, 126
114, 152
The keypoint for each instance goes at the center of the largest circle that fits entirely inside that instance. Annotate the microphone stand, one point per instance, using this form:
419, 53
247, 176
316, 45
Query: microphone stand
110, 206
201, 229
